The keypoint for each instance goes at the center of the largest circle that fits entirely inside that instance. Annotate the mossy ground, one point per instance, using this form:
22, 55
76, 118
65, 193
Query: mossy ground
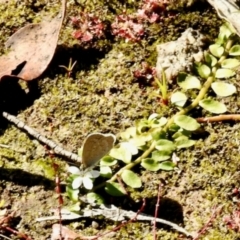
102, 95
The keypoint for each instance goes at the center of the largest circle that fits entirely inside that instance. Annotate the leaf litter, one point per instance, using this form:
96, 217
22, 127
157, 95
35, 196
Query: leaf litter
31, 48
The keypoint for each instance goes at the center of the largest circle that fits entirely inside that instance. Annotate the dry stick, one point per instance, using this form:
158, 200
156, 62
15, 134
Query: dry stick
60, 198
57, 149
219, 118
127, 222
156, 211
209, 222
4, 221
5, 237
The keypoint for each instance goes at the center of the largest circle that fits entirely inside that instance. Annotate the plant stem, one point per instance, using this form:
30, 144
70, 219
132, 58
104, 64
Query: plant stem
184, 111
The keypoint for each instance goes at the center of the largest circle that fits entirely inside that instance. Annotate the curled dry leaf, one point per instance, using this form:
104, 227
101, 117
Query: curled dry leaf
31, 48
64, 233
61, 232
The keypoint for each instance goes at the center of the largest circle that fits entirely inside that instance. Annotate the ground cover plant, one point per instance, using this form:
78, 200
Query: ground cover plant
171, 148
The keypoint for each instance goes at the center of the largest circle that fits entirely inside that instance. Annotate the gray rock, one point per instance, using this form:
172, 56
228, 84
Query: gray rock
177, 56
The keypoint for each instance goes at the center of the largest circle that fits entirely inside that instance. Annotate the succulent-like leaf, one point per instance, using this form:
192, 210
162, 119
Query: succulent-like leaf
153, 116
184, 142
106, 171
210, 59
131, 179
167, 166
161, 155
150, 164
108, 161
204, 71
186, 122
73, 194
93, 197
179, 99
121, 153
165, 145
189, 82
235, 50
230, 63
216, 50
158, 134
223, 89
140, 140
181, 133
224, 73
124, 152
160, 122
129, 132
114, 189
213, 106
225, 32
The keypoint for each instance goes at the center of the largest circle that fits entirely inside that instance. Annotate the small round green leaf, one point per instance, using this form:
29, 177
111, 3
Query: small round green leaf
210, 59
161, 155
184, 142
186, 122
129, 132
230, 63
73, 194
108, 161
150, 164
224, 73
213, 106
182, 133
216, 50
105, 171
158, 134
190, 82
165, 145
131, 179
204, 71
95, 198
223, 89
114, 189
167, 166
140, 140
121, 154
179, 99
235, 50
226, 30
154, 116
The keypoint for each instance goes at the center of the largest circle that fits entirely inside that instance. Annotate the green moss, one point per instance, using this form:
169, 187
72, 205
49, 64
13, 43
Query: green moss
104, 96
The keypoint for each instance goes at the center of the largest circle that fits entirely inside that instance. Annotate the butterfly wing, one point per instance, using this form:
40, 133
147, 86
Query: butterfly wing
95, 146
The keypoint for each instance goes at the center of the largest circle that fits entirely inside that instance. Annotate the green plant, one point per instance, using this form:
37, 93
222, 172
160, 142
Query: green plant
154, 142
163, 87
69, 68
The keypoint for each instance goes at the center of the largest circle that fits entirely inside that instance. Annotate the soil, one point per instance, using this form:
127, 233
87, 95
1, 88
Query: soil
103, 95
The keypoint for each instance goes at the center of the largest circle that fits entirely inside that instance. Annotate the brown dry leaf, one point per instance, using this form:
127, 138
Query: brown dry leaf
64, 233
31, 48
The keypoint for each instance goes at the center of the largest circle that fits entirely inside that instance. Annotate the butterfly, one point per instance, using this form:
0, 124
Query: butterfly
96, 146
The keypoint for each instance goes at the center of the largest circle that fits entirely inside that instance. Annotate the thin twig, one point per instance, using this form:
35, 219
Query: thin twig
125, 223
209, 222
5, 237
56, 148
219, 118
156, 211
60, 198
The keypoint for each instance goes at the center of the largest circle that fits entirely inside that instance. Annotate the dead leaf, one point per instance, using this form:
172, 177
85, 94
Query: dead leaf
31, 48
66, 233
